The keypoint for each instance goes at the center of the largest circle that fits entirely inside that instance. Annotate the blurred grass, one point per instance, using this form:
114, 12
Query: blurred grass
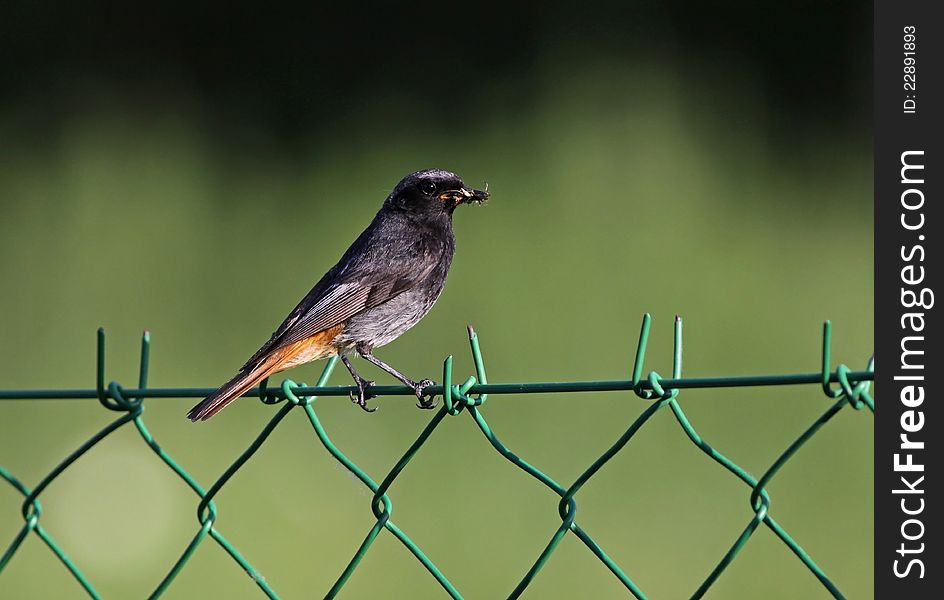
609, 200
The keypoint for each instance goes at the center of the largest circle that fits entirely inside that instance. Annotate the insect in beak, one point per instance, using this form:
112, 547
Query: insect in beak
464, 195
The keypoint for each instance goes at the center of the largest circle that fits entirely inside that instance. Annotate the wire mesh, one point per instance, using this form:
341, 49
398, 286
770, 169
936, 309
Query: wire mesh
843, 386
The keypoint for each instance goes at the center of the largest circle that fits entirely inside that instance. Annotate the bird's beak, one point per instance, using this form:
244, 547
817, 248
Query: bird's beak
464, 195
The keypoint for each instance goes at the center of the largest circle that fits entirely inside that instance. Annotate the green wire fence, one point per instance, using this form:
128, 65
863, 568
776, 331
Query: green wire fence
845, 387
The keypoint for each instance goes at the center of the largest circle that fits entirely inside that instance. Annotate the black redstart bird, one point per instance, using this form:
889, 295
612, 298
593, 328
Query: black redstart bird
384, 284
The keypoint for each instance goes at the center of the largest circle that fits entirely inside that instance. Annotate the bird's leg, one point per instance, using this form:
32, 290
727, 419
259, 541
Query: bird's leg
362, 396
418, 386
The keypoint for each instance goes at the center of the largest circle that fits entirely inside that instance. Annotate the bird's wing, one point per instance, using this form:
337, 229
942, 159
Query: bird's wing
336, 299
340, 303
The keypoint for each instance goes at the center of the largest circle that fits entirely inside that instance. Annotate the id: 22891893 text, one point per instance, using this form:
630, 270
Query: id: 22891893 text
910, 69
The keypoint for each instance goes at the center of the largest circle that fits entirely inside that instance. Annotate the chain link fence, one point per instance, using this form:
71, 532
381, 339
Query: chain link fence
845, 388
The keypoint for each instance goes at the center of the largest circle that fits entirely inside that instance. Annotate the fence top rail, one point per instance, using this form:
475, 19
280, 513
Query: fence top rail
536, 387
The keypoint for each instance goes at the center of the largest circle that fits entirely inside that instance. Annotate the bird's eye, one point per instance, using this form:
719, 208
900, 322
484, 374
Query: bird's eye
427, 187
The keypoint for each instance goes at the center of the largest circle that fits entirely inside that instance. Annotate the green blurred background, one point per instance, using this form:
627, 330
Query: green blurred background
193, 171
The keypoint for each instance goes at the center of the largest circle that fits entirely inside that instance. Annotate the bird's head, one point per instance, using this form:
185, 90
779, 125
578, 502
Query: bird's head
433, 192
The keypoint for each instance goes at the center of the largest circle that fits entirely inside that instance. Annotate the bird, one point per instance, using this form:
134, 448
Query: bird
387, 281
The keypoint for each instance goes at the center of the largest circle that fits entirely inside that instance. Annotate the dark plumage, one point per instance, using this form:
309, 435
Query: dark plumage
384, 284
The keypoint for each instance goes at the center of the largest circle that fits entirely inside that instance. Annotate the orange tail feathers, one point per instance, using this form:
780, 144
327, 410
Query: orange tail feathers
239, 385
302, 351
234, 388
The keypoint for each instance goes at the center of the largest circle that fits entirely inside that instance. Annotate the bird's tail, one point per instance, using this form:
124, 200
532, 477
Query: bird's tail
235, 387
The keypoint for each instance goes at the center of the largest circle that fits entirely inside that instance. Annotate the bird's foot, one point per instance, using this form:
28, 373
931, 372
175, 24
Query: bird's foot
424, 402
362, 396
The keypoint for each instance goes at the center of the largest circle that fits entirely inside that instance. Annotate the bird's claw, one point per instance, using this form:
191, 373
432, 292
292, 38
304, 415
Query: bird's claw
424, 403
362, 396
